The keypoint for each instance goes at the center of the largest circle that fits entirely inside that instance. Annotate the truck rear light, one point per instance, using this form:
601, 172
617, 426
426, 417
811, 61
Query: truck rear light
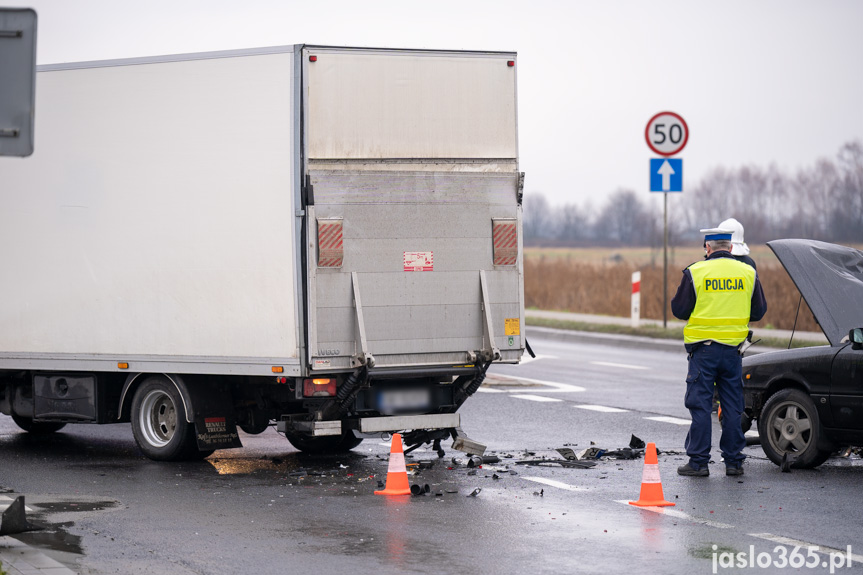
331, 250
281, 380
278, 369
505, 241
319, 387
313, 58
510, 63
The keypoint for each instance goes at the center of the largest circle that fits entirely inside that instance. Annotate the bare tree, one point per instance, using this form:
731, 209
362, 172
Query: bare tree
623, 219
537, 217
573, 223
824, 201
847, 222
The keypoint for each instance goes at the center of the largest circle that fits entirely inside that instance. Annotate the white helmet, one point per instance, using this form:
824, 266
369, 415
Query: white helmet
738, 246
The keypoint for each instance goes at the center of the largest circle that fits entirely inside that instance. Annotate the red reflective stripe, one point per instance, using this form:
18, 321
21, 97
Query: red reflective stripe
334, 242
505, 235
505, 243
636, 287
330, 243
329, 233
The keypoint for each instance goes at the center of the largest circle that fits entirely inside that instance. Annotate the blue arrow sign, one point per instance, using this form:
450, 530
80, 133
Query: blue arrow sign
666, 175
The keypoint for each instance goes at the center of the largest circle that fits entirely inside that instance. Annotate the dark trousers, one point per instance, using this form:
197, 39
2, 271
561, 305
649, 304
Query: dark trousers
708, 364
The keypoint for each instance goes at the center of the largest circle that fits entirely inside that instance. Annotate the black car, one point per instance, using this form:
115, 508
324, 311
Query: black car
809, 401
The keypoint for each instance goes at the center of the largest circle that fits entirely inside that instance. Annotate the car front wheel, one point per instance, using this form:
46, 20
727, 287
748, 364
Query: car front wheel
789, 428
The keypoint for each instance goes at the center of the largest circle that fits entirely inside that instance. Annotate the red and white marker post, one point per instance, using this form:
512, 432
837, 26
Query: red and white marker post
636, 298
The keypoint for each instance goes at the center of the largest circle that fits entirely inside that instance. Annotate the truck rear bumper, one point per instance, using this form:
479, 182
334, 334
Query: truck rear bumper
376, 424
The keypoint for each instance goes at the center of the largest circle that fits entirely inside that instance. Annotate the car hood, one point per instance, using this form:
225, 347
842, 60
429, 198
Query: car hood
830, 279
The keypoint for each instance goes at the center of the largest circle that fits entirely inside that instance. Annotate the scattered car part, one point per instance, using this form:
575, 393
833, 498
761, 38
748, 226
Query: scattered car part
560, 462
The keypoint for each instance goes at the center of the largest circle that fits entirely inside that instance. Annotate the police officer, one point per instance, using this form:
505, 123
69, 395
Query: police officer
718, 297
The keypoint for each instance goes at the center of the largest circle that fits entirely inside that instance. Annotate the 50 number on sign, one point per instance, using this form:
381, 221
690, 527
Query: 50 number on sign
666, 133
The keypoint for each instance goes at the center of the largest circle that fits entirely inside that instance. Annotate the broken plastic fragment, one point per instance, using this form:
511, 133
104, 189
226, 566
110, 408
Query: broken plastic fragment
637, 443
567, 453
475, 492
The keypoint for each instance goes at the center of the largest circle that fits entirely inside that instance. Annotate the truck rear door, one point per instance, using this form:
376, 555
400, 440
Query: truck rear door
413, 215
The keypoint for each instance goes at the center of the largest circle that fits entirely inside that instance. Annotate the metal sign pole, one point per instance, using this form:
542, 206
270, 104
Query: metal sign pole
666, 134
665, 263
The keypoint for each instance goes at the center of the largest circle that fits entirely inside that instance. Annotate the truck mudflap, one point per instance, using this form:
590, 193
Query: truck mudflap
216, 433
215, 421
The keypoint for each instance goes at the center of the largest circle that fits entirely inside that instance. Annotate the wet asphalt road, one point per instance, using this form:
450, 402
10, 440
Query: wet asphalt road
110, 510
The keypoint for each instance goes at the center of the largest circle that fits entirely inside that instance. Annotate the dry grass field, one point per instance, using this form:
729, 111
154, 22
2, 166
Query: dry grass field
598, 281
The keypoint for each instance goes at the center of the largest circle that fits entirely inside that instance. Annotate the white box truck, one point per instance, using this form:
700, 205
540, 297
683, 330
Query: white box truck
326, 240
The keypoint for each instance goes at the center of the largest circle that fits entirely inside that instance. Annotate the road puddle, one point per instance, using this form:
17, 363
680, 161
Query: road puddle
53, 537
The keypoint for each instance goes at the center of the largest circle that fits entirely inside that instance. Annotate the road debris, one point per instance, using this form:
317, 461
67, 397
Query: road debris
417, 489
475, 492
477, 460
560, 462
635, 450
567, 453
590, 453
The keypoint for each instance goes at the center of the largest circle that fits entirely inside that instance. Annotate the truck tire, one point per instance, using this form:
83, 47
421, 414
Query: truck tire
324, 445
254, 429
789, 427
36, 427
159, 423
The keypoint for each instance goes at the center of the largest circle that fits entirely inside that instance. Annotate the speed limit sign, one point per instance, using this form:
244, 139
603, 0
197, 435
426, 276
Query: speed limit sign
666, 133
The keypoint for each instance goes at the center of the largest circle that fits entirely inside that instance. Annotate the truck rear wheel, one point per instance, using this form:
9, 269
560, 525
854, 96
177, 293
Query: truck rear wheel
159, 423
36, 427
327, 444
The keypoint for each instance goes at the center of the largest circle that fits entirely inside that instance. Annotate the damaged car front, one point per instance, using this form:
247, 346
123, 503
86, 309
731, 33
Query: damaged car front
809, 401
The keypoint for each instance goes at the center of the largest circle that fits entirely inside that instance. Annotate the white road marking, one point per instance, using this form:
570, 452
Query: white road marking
536, 398
679, 515
623, 365
803, 544
602, 408
6, 501
674, 420
766, 536
751, 433
527, 359
558, 387
553, 483
490, 390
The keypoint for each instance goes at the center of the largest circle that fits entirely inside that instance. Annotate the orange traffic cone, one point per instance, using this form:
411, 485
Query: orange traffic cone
397, 473
651, 485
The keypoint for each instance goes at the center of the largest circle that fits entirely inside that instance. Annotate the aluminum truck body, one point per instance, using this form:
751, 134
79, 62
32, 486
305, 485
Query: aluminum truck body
323, 239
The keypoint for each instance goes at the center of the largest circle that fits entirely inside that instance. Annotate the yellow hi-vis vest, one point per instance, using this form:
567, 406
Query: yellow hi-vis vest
723, 301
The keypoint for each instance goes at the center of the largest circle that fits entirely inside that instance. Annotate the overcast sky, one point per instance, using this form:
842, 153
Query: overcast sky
758, 81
